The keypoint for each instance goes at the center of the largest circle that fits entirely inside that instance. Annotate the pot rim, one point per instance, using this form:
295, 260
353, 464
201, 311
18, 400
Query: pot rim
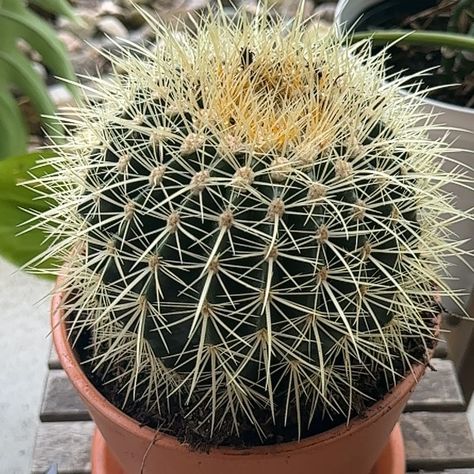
340, 7
93, 397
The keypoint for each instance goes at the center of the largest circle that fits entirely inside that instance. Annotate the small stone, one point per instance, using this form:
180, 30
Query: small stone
108, 7
126, 3
71, 41
24, 46
134, 19
112, 26
61, 95
40, 69
36, 56
84, 27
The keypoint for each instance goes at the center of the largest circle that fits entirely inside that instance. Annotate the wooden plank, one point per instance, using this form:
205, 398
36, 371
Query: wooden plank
65, 443
61, 402
461, 344
437, 441
53, 361
464, 368
438, 390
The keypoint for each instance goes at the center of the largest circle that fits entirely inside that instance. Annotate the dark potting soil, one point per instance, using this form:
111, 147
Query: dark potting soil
428, 15
176, 419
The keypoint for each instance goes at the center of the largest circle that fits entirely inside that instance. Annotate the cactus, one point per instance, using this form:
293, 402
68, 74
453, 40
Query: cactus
252, 224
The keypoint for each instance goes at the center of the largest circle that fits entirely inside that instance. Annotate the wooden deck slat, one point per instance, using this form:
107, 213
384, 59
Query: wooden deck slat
65, 443
437, 441
438, 390
61, 402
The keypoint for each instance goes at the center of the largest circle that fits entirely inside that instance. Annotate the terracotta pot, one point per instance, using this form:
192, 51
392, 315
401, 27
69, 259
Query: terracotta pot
352, 448
391, 461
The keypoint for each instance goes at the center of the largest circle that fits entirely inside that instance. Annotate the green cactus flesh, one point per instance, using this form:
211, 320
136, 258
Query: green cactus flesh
252, 223
127, 223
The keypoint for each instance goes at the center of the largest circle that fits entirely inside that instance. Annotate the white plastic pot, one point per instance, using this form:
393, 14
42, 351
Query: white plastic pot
348, 12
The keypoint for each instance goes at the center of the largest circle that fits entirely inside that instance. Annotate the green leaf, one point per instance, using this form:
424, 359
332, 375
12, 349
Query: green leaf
21, 72
16, 71
421, 38
13, 136
58, 7
41, 37
20, 249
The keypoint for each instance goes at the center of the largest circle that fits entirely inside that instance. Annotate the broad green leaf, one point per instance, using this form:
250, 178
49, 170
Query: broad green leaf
14, 198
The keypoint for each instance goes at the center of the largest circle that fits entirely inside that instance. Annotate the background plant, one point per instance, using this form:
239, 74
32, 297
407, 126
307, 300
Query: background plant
18, 21
456, 43
253, 226
16, 245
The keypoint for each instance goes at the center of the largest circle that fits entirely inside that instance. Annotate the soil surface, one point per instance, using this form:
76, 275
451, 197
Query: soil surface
428, 15
173, 418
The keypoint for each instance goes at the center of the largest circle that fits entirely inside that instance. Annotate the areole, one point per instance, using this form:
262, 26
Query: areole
352, 448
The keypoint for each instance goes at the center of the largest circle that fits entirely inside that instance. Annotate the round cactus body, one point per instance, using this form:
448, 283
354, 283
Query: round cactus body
251, 221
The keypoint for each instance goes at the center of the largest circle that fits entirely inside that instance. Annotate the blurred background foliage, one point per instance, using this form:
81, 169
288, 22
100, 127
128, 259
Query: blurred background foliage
22, 30
18, 76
